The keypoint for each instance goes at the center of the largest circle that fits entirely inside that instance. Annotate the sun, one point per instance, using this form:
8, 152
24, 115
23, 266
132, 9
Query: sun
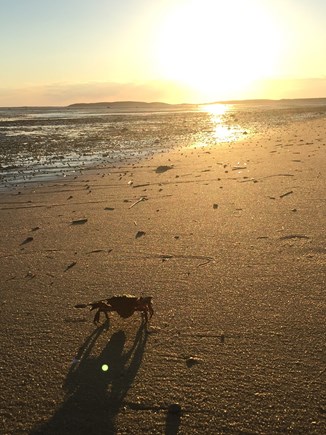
218, 47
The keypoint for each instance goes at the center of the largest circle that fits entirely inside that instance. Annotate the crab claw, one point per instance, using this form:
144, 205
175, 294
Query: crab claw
81, 305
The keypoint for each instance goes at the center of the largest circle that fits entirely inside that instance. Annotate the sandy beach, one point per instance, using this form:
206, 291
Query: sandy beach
229, 240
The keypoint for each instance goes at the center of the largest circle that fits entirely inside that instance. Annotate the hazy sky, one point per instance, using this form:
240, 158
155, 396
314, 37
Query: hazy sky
64, 51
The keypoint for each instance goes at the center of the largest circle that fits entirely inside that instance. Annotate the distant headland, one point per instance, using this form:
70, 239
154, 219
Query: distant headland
130, 105
123, 105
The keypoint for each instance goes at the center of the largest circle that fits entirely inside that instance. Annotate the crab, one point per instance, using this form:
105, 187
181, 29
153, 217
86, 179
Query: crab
124, 305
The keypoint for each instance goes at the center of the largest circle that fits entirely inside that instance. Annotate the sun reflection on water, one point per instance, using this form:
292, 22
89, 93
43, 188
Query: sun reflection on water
217, 109
223, 128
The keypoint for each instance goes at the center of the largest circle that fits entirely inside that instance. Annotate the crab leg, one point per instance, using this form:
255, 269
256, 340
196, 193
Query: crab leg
150, 309
103, 307
145, 315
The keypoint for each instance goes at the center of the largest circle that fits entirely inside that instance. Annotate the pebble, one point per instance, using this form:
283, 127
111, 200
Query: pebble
192, 360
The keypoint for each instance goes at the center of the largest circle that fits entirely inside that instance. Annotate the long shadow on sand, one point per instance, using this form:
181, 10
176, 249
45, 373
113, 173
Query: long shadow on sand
94, 396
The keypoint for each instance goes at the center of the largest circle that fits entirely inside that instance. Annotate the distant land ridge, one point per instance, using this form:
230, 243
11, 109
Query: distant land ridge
161, 106
128, 104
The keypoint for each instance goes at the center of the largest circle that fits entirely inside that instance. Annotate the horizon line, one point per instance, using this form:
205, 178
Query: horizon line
232, 101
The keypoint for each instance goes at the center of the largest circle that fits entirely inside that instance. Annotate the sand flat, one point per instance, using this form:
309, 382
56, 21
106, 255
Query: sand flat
233, 252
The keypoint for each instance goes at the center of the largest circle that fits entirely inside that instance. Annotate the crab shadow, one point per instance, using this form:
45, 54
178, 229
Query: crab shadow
172, 423
96, 386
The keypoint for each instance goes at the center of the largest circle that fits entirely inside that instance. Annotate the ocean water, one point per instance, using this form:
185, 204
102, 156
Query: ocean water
45, 143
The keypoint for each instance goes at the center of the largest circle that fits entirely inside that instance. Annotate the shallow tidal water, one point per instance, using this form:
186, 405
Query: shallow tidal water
37, 144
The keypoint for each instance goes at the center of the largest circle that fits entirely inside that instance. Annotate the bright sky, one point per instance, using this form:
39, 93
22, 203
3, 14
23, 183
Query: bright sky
64, 51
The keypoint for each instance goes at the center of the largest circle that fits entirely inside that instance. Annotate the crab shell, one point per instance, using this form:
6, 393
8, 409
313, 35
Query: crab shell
124, 305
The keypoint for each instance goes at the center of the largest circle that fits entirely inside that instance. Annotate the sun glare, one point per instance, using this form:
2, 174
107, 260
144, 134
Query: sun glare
218, 48
215, 109
222, 131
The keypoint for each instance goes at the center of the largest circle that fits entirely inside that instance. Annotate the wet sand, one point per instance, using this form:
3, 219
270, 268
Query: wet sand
231, 245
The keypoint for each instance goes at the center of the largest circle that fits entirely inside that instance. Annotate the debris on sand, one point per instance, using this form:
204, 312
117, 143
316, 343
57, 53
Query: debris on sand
140, 185
207, 260
163, 168
79, 221
95, 251
140, 234
30, 275
253, 180
28, 240
142, 198
192, 360
215, 206
295, 236
286, 194
70, 265
237, 168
